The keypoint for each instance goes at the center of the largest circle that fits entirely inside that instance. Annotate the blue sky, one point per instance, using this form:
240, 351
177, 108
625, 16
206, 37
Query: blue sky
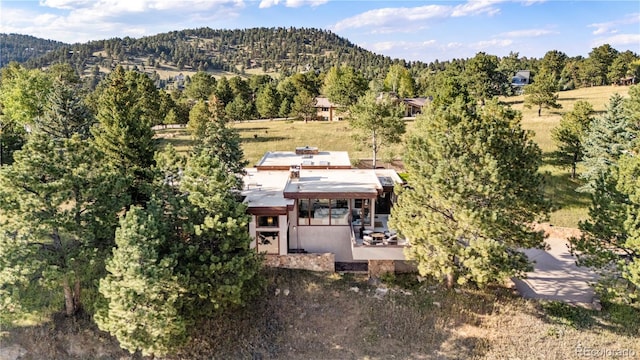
411, 30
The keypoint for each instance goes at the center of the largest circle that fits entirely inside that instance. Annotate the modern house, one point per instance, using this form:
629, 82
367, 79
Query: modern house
520, 79
311, 202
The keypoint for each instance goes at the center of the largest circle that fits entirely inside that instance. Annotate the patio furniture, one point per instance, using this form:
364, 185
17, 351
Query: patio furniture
378, 237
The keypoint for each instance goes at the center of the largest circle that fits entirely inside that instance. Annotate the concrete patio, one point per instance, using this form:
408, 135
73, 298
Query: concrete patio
556, 276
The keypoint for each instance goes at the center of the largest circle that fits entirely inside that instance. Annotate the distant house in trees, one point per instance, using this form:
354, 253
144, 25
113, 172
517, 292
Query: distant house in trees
626, 81
326, 110
520, 79
311, 209
413, 106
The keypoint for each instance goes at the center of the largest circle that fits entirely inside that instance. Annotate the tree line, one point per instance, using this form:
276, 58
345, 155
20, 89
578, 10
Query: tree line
94, 219
287, 51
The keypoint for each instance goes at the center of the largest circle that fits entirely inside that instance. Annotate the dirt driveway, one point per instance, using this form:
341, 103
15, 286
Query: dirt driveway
555, 275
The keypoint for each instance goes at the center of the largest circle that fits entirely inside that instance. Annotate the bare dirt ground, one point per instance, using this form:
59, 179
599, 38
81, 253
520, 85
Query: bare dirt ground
304, 315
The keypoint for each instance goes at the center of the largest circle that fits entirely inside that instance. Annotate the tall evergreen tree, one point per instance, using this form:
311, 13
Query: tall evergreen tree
570, 134
474, 192
220, 269
268, 101
220, 140
609, 240
609, 136
201, 86
142, 289
198, 118
128, 103
65, 113
58, 205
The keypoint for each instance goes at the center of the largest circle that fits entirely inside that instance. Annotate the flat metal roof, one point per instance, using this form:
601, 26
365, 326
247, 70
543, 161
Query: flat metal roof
323, 159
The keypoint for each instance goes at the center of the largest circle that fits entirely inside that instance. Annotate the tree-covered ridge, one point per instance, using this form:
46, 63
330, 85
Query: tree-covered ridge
269, 49
20, 48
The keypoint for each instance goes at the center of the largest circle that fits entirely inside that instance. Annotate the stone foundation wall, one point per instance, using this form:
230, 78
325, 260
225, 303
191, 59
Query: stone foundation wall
313, 262
379, 267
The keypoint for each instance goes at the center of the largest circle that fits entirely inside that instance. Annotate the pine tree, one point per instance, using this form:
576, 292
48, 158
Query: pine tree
219, 267
142, 289
128, 103
570, 134
609, 239
474, 192
58, 206
220, 140
542, 93
198, 118
609, 136
65, 113
267, 101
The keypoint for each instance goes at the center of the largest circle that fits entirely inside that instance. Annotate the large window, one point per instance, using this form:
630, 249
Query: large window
267, 241
303, 211
361, 211
323, 212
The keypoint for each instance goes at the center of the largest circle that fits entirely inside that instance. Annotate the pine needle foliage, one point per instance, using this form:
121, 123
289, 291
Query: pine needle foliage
474, 191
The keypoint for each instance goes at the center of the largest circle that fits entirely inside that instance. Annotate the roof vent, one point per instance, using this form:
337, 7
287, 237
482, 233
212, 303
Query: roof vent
306, 150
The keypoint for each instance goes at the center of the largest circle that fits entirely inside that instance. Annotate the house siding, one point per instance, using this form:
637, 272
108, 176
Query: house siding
325, 239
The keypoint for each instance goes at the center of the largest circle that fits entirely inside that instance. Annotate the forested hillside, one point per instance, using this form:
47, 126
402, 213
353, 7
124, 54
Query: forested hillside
265, 49
20, 48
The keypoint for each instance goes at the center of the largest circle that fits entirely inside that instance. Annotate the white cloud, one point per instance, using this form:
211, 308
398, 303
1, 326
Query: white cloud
80, 21
396, 17
476, 7
268, 3
291, 3
610, 26
388, 46
618, 40
494, 43
64, 4
532, 2
528, 33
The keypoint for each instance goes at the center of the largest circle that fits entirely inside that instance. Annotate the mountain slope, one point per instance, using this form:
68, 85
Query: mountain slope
267, 50
20, 48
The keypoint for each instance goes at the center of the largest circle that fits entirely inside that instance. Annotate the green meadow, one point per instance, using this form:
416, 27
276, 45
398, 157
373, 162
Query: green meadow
568, 206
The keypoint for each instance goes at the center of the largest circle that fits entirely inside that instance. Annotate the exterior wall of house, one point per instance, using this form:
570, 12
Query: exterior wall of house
282, 229
325, 114
325, 239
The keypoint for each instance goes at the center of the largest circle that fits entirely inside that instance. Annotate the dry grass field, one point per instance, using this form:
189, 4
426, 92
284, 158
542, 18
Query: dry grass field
569, 206
305, 315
